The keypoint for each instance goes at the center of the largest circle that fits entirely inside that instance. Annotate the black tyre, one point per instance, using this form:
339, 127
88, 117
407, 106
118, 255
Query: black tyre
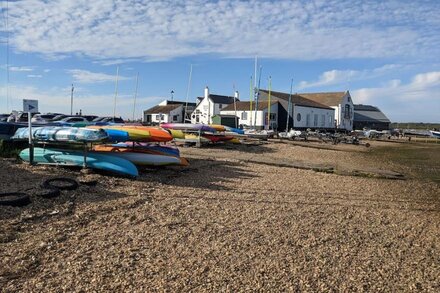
48, 193
60, 183
15, 199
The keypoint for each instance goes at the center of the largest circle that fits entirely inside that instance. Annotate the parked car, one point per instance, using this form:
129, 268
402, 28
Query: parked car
4, 117
59, 117
98, 119
20, 117
73, 119
89, 117
43, 118
112, 120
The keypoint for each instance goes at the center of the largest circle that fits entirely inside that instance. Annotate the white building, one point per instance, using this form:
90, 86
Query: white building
210, 105
168, 112
258, 118
340, 102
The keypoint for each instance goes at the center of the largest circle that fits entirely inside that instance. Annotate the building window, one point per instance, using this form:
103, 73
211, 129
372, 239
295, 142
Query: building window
315, 120
244, 116
298, 117
322, 120
220, 106
273, 116
197, 119
175, 117
347, 112
159, 117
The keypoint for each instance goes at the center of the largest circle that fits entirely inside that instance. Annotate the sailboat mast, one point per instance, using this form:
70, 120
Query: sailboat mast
187, 94
256, 96
268, 102
7, 55
289, 105
116, 91
135, 95
251, 98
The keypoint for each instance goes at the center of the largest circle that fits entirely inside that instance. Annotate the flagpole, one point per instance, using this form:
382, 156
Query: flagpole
268, 102
289, 106
116, 92
71, 100
135, 94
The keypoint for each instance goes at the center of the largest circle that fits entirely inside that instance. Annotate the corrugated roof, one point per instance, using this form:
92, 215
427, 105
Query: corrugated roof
244, 106
368, 113
162, 109
296, 99
218, 99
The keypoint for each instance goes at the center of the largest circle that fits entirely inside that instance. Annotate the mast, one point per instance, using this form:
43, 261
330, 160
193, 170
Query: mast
116, 91
257, 89
251, 97
187, 94
7, 55
268, 102
135, 94
289, 105
235, 106
71, 100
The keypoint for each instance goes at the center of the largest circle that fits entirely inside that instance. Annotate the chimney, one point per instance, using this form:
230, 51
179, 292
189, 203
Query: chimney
237, 96
206, 92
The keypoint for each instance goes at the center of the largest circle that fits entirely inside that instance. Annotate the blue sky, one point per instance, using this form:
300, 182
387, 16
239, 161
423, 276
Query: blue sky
386, 53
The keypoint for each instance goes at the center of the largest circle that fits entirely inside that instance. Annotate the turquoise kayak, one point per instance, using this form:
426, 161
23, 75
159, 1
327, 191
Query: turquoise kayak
76, 158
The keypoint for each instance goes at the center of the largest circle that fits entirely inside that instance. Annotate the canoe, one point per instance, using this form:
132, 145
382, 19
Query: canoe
156, 134
133, 134
76, 158
62, 134
217, 138
176, 133
218, 127
148, 148
188, 126
137, 157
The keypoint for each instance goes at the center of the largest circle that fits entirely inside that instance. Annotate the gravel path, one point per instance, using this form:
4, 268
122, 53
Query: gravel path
224, 224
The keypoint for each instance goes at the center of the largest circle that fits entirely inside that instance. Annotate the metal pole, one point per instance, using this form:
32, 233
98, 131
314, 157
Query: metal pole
289, 106
31, 144
187, 93
135, 95
268, 102
116, 92
71, 100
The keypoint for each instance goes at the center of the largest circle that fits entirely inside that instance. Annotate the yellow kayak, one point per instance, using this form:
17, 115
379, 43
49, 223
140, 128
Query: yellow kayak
177, 133
133, 133
217, 127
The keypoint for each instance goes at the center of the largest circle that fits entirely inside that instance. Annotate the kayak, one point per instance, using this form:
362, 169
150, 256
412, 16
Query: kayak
62, 134
217, 138
188, 126
138, 156
133, 134
149, 148
60, 157
156, 134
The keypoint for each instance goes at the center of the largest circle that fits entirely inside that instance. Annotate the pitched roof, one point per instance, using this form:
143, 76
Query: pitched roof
328, 99
218, 99
162, 109
369, 113
296, 99
244, 106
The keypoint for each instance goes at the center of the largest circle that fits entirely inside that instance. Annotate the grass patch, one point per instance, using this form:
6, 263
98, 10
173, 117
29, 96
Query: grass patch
421, 161
11, 149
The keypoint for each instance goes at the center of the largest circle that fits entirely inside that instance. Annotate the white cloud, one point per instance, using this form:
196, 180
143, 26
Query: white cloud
34, 76
20, 69
344, 77
160, 30
417, 100
85, 76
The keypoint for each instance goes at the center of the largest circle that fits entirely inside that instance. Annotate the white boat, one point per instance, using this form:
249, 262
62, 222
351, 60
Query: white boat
435, 133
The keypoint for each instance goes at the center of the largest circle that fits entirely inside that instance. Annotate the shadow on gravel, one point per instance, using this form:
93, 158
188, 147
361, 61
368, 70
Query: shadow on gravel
201, 173
19, 179
247, 147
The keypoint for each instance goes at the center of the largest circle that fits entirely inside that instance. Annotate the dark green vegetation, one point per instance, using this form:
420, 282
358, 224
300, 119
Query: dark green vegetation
417, 160
9, 149
415, 125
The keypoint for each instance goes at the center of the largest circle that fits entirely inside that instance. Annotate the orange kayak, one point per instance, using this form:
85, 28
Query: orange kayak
156, 134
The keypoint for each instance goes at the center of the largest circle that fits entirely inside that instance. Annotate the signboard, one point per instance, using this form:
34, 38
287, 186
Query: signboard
30, 106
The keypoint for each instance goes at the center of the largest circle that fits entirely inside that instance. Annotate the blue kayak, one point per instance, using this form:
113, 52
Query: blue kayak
76, 158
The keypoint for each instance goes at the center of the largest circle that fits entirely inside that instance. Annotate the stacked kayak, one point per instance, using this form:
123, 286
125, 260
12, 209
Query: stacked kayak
61, 134
49, 156
204, 134
142, 155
